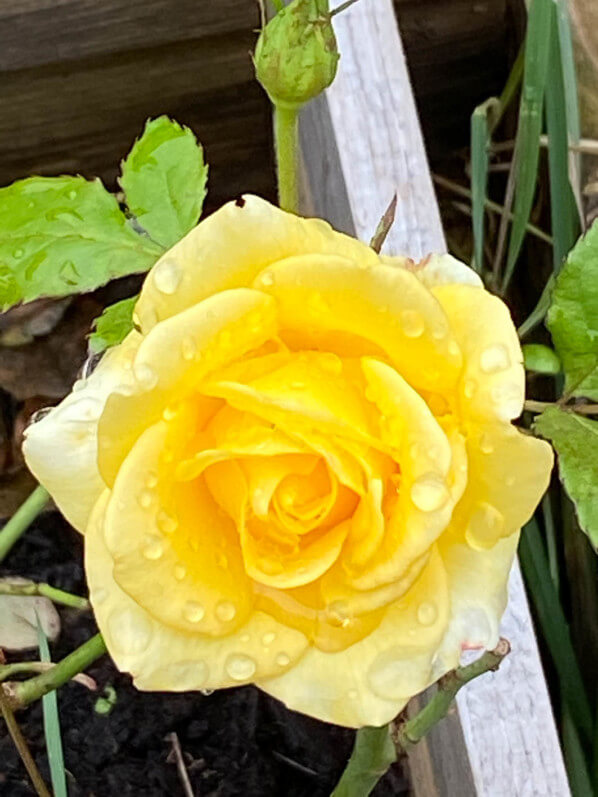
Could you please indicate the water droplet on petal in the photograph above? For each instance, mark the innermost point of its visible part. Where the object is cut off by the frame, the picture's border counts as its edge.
(193, 611)
(151, 481)
(486, 445)
(283, 660)
(470, 388)
(99, 596)
(206, 692)
(339, 614)
(167, 276)
(154, 548)
(180, 572)
(145, 375)
(168, 413)
(240, 667)
(429, 493)
(412, 323)
(225, 611)
(268, 638)
(166, 522)
(130, 631)
(145, 499)
(245, 638)
(485, 527)
(427, 613)
(454, 349)
(494, 359)
(188, 349)
(267, 279)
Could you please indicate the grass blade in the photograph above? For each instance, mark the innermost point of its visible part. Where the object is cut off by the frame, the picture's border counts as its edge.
(537, 46)
(575, 760)
(480, 139)
(52, 725)
(555, 629)
(563, 210)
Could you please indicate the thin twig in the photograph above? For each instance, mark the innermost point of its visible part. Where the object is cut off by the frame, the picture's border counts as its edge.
(586, 146)
(384, 226)
(22, 519)
(580, 409)
(44, 590)
(18, 667)
(22, 747)
(180, 764)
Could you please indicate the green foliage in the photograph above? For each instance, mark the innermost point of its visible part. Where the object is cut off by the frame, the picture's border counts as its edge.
(575, 439)
(541, 359)
(164, 178)
(113, 325)
(372, 755)
(64, 235)
(527, 145)
(52, 726)
(573, 317)
(480, 139)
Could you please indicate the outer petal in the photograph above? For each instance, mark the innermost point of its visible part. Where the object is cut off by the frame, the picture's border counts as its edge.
(508, 473)
(369, 682)
(230, 248)
(386, 306)
(163, 658)
(438, 270)
(493, 380)
(61, 450)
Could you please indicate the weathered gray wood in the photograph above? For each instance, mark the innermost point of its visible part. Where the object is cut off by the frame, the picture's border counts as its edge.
(375, 139)
(38, 32)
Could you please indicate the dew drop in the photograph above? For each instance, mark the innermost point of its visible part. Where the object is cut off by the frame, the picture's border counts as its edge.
(99, 596)
(267, 279)
(268, 638)
(153, 549)
(130, 631)
(429, 493)
(470, 388)
(180, 572)
(188, 349)
(245, 638)
(18, 253)
(151, 481)
(240, 667)
(485, 527)
(145, 375)
(427, 613)
(145, 499)
(454, 349)
(168, 413)
(193, 612)
(510, 481)
(206, 692)
(225, 611)
(166, 522)
(486, 446)
(72, 194)
(494, 359)
(412, 323)
(167, 276)
(339, 614)
(282, 660)
(440, 332)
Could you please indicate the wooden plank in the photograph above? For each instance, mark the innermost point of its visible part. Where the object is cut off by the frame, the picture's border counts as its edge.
(38, 32)
(374, 137)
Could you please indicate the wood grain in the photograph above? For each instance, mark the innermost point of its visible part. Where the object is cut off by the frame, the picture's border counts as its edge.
(39, 32)
(371, 127)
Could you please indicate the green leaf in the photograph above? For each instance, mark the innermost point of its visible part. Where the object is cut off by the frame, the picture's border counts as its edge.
(541, 359)
(372, 755)
(164, 179)
(113, 325)
(480, 139)
(527, 148)
(573, 317)
(64, 235)
(575, 439)
(52, 726)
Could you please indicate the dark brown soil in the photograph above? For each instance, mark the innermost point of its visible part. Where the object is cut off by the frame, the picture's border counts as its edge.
(235, 742)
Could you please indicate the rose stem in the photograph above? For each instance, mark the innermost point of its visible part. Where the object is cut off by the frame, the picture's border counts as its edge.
(25, 692)
(22, 519)
(46, 591)
(23, 749)
(286, 137)
(376, 749)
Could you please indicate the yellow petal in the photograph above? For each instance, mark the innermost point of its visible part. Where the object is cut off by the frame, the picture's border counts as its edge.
(167, 659)
(424, 502)
(508, 474)
(369, 682)
(61, 449)
(386, 306)
(438, 270)
(478, 595)
(173, 551)
(492, 384)
(229, 248)
(172, 360)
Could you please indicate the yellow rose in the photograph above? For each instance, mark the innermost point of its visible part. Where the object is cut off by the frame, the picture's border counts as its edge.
(300, 472)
